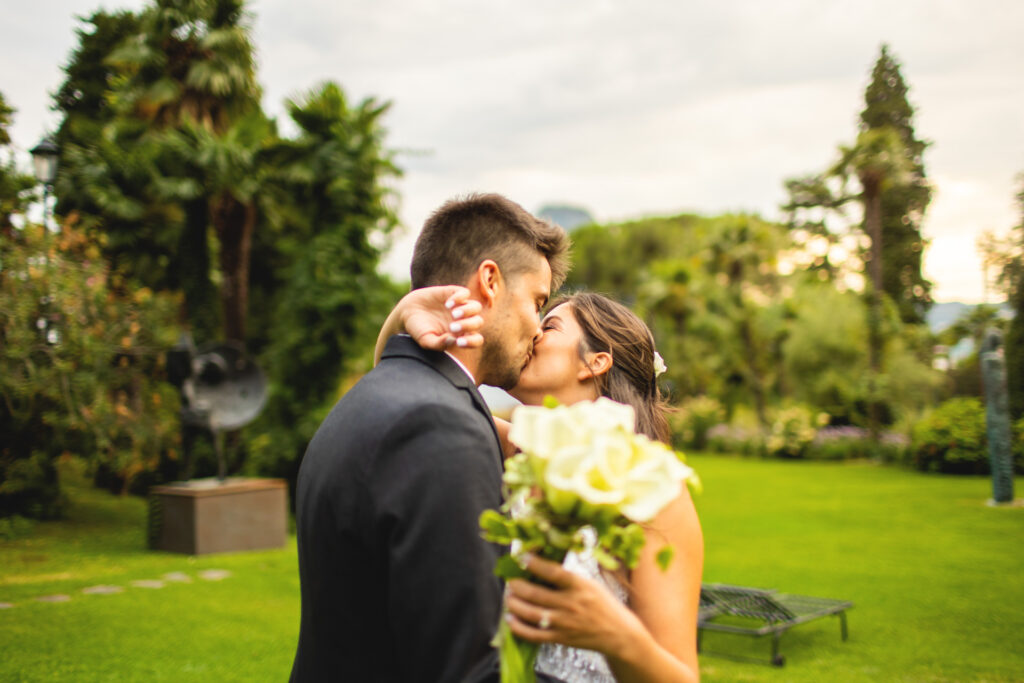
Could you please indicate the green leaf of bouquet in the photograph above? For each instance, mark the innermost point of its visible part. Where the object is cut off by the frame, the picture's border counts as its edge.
(664, 557)
(606, 559)
(695, 485)
(507, 568)
(496, 527)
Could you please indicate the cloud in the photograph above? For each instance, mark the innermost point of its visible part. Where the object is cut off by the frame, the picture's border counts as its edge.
(629, 109)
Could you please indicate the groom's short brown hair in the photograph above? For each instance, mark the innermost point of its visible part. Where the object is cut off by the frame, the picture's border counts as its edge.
(466, 231)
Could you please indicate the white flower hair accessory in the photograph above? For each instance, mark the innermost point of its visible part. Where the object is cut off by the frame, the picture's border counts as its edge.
(659, 364)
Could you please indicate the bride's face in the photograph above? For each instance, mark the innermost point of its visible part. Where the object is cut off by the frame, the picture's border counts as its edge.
(555, 368)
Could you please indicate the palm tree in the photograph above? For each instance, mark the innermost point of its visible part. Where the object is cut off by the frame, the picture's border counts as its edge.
(744, 250)
(189, 79)
(877, 160)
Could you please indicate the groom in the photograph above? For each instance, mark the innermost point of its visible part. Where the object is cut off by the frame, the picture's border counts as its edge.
(397, 584)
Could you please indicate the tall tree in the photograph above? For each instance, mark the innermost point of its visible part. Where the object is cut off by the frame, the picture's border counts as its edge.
(902, 205)
(191, 65)
(876, 162)
(315, 274)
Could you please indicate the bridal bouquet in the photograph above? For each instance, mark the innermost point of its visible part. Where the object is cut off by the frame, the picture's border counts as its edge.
(580, 466)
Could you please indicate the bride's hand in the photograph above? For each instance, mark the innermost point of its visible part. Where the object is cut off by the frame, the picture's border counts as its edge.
(436, 318)
(576, 611)
(439, 317)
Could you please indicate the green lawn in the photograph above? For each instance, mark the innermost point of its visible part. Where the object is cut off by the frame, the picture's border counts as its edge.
(936, 577)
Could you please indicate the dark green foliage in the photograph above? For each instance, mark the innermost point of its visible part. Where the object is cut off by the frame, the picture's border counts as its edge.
(271, 241)
(319, 300)
(903, 204)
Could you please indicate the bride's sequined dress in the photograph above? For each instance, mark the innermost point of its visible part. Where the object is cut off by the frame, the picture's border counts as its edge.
(570, 664)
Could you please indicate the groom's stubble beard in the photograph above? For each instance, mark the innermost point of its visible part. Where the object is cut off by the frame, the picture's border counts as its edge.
(499, 368)
(500, 365)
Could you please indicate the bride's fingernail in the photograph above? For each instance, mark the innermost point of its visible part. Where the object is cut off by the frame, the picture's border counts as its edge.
(449, 303)
(458, 313)
(461, 341)
(524, 560)
(455, 327)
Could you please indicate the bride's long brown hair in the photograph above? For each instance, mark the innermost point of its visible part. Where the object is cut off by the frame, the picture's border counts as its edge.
(611, 327)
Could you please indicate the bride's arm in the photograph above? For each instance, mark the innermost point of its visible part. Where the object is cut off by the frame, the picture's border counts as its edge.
(508, 449)
(656, 640)
(667, 601)
(428, 314)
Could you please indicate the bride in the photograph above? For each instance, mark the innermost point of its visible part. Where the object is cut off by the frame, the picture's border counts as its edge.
(593, 626)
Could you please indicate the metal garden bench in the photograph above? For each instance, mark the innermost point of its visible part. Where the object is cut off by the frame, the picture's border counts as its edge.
(758, 612)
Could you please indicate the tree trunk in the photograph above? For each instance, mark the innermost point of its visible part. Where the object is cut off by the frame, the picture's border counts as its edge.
(194, 272)
(873, 225)
(754, 375)
(235, 223)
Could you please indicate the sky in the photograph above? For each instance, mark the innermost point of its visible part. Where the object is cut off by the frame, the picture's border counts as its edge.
(625, 109)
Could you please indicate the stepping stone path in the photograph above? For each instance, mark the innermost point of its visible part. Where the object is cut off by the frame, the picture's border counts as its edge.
(174, 577)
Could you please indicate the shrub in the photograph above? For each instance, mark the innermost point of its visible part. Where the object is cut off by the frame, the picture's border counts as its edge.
(792, 430)
(849, 443)
(696, 416)
(952, 439)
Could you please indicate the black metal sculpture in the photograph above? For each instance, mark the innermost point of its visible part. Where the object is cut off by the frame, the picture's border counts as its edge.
(221, 389)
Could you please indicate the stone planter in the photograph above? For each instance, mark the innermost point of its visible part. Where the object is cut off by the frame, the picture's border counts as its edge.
(205, 516)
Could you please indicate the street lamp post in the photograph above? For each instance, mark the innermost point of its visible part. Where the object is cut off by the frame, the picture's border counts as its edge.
(44, 158)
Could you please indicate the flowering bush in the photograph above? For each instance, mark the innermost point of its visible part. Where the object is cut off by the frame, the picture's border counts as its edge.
(80, 365)
(726, 438)
(792, 431)
(849, 442)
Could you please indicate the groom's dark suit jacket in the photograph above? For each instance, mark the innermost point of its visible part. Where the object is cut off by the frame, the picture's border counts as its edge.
(397, 584)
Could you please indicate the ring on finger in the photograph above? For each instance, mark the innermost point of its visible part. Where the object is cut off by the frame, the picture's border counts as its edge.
(545, 620)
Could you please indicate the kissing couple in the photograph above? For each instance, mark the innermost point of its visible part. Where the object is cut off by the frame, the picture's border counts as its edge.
(397, 583)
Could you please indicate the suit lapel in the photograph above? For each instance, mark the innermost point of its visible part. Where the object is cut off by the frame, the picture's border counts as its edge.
(401, 346)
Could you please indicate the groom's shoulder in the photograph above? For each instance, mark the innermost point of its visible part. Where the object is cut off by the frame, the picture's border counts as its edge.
(397, 389)
(400, 381)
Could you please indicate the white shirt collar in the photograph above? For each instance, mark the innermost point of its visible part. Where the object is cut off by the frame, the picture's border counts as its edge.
(464, 368)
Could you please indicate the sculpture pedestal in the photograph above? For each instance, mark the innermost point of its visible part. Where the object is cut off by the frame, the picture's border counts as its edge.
(204, 516)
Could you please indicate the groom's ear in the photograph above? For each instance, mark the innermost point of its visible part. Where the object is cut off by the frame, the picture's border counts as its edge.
(595, 364)
(487, 282)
